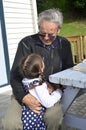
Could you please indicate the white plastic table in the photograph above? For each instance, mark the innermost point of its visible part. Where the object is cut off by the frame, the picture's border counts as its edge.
(74, 81)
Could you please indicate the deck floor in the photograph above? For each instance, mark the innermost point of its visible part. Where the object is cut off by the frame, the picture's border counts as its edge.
(5, 99)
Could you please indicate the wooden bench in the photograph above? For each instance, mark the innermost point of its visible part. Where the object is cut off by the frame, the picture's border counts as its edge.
(84, 46)
(78, 46)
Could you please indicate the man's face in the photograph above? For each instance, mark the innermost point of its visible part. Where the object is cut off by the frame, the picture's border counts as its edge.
(47, 32)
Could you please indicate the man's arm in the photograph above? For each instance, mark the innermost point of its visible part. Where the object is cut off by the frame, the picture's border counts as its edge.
(24, 48)
(15, 77)
(66, 53)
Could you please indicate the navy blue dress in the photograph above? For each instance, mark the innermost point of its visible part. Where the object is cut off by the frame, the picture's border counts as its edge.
(30, 119)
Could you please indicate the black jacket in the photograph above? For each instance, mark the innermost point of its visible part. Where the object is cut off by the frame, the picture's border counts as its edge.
(57, 57)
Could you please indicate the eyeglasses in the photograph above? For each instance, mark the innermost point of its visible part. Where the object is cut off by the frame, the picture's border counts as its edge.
(51, 36)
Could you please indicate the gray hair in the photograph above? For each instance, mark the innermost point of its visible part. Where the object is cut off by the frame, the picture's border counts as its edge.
(51, 15)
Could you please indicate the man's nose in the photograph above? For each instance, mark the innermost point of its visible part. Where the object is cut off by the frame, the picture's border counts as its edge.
(46, 36)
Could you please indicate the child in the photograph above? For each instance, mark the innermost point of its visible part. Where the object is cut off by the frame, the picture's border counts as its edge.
(31, 69)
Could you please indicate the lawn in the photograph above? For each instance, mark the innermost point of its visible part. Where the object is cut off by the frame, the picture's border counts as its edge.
(73, 28)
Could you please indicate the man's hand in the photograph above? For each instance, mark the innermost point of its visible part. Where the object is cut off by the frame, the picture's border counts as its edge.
(32, 103)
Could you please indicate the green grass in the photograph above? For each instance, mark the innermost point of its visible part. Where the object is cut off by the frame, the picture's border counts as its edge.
(73, 28)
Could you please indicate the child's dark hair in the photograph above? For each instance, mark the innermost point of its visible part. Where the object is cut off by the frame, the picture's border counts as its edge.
(30, 66)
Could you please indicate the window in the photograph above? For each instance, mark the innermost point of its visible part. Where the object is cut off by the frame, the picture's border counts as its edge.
(4, 59)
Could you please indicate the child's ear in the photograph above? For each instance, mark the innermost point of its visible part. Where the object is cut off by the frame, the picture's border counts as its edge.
(42, 70)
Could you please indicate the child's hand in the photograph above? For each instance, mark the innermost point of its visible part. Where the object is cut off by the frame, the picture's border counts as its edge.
(50, 90)
(50, 87)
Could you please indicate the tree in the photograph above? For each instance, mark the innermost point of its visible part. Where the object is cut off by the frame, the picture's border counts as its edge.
(46, 4)
(78, 7)
(75, 7)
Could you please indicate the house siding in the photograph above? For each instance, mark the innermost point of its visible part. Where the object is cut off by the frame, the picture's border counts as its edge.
(20, 20)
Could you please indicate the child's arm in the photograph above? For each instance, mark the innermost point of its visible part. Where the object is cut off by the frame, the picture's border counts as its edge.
(46, 99)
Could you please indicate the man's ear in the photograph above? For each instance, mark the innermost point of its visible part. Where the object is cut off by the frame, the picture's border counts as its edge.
(58, 31)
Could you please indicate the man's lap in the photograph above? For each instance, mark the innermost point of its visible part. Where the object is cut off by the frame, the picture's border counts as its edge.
(12, 119)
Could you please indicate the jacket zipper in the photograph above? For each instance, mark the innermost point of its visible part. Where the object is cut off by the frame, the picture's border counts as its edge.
(52, 60)
(52, 56)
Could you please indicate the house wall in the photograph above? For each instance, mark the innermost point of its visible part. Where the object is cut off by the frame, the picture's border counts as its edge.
(20, 20)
